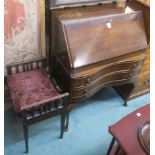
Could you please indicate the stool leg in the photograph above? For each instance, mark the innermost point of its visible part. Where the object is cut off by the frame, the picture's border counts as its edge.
(111, 145)
(25, 130)
(62, 124)
(117, 150)
(67, 112)
(67, 120)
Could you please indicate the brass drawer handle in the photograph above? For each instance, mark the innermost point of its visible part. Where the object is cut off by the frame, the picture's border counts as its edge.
(130, 76)
(135, 65)
(147, 83)
(87, 81)
(85, 93)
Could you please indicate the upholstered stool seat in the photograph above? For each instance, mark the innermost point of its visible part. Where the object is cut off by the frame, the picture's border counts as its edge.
(30, 89)
(35, 97)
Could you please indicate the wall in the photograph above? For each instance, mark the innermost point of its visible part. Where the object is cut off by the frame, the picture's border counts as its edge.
(22, 31)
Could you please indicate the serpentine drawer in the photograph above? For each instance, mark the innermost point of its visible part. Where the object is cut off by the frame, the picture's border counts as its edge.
(113, 78)
(120, 66)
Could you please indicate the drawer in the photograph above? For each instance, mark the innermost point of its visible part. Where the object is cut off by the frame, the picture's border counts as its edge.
(122, 66)
(143, 82)
(115, 78)
(142, 85)
(145, 68)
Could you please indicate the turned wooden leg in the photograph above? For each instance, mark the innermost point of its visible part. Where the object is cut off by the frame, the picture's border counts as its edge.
(62, 124)
(117, 150)
(25, 130)
(67, 121)
(125, 104)
(132, 87)
(67, 111)
(111, 145)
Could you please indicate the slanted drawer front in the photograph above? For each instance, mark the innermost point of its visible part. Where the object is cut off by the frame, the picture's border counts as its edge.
(128, 66)
(115, 78)
(100, 38)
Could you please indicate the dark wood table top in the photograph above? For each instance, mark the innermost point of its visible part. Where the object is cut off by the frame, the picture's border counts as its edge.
(126, 130)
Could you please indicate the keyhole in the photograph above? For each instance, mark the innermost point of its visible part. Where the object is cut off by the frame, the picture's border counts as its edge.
(108, 25)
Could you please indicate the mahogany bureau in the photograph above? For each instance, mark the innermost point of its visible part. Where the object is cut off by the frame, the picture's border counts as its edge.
(96, 46)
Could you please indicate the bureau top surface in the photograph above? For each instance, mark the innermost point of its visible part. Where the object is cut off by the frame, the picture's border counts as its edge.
(57, 4)
(99, 38)
(88, 12)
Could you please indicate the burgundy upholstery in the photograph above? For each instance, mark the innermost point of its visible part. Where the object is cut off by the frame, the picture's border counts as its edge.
(30, 89)
(126, 131)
